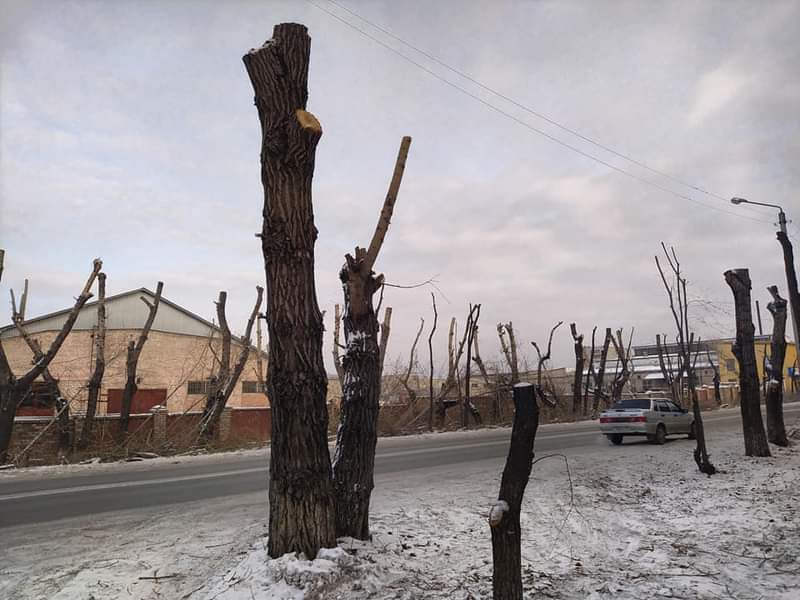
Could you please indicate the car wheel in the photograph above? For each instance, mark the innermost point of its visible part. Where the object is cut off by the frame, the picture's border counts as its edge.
(616, 438)
(692, 431)
(661, 435)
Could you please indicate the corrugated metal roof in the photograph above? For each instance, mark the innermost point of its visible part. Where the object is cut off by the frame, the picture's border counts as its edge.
(123, 311)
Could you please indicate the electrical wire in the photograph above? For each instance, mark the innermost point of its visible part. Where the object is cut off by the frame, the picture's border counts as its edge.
(526, 124)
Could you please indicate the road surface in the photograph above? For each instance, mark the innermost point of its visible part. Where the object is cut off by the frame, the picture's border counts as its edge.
(31, 499)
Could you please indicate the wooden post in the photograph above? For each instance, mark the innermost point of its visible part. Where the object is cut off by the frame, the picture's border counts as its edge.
(755, 440)
(301, 507)
(504, 518)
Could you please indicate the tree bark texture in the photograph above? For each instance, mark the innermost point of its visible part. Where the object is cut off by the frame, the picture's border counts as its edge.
(357, 434)
(12, 389)
(776, 430)
(301, 501)
(96, 380)
(755, 440)
(134, 351)
(354, 459)
(504, 518)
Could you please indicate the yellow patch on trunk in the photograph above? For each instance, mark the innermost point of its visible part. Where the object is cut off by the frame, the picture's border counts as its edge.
(307, 120)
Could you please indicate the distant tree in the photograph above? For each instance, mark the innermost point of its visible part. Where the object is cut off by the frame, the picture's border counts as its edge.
(431, 400)
(672, 375)
(50, 382)
(132, 361)
(623, 374)
(223, 383)
(544, 390)
(598, 392)
(301, 503)
(580, 360)
(13, 389)
(679, 307)
(96, 380)
(776, 430)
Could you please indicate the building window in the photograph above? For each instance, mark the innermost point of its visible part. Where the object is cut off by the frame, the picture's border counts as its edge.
(197, 387)
(252, 387)
(730, 364)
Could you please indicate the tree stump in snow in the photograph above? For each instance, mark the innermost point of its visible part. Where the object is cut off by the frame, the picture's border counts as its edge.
(504, 515)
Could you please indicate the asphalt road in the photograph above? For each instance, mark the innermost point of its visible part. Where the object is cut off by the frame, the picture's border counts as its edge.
(28, 498)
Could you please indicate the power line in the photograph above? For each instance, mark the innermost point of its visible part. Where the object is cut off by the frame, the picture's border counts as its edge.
(528, 109)
(526, 124)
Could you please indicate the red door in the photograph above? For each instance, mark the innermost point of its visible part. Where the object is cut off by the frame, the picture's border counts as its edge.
(143, 401)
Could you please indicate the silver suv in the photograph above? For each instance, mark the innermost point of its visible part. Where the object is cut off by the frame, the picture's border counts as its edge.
(655, 418)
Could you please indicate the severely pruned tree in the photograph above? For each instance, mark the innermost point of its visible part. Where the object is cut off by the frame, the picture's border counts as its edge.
(50, 382)
(224, 381)
(468, 407)
(544, 392)
(430, 359)
(755, 439)
(491, 385)
(504, 517)
(509, 348)
(623, 371)
(672, 374)
(598, 393)
(716, 380)
(580, 359)
(354, 458)
(443, 401)
(13, 389)
(412, 362)
(791, 283)
(776, 430)
(679, 307)
(301, 505)
(590, 373)
(132, 361)
(96, 379)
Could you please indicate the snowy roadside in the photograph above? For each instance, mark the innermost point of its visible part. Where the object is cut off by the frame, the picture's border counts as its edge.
(643, 524)
(637, 521)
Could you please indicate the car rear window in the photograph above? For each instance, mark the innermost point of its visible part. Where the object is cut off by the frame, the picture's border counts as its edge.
(635, 403)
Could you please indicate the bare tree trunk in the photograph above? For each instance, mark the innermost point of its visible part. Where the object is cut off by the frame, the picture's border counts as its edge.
(776, 430)
(579, 362)
(600, 375)
(492, 386)
(412, 393)
(12, 390)
(666, 372)
(468, 407)
(624, 359)
(430, 355)
(504, 517)
(96, 380)
(51, 383)
(227, 378)
(793, 292)
(590, 374)
(755, 440)
(301, 505)
(357, 435)
(132, 362)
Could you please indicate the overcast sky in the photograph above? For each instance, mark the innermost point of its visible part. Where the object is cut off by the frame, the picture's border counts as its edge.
(129, 133)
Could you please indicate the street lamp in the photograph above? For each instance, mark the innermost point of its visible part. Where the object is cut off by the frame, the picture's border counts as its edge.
(793, 300)
(781, 214)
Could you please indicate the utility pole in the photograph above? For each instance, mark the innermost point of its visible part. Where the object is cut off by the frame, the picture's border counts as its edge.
(791, 275)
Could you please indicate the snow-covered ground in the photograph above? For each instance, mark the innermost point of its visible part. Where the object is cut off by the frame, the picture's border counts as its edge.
(637, 522)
